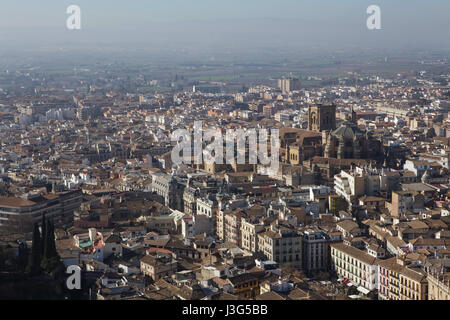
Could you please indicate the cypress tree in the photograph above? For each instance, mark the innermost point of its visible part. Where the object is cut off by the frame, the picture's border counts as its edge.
(51, 254)
(43, 235)
(44, 249)
(34, 264)
(51, 249)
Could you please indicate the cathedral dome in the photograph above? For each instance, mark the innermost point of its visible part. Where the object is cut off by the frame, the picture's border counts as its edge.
(348, 130)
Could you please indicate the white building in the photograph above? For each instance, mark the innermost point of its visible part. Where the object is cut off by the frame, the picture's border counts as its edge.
(359, 267)
(196, 224)
(359, 181)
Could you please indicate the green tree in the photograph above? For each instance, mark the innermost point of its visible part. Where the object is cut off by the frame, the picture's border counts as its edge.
(43, 241)
(52, 258)
(51, 245)
(34, 263)
(43, 233)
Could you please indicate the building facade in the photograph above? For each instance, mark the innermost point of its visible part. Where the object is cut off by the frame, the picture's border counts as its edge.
(18, 215)
(355, 265)
(170, 189)
(314, 251)
(438, 286)
(282, 245)
(288, 85)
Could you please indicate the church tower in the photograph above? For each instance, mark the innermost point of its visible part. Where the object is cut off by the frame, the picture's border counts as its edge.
(321, 117)
(353, 117)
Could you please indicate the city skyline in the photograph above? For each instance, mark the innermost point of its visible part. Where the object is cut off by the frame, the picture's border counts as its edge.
(210, 157)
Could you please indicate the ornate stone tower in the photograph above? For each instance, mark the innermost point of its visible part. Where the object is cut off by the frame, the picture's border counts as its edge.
(321, 117)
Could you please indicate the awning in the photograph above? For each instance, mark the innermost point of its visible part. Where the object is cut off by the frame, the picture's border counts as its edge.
(363, 290)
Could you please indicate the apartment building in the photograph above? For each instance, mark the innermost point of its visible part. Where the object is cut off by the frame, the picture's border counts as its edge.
(195, 225)
(349, 186)
(225, 208)
(158, 266)
(406, 200)
(389, 286)
(232, 227)
(355, 265)
(207, 206)
(349, 229)
(19, 214)
(282, 245)
(417, 166)
(190, 201)
(245, 285)
(314, 250)
(359, 181)
(413, 284)
(253, 222)
(220, 225)
(399, 281)
(288, 85)
(249, 234)
(170, 189)
(438, 286)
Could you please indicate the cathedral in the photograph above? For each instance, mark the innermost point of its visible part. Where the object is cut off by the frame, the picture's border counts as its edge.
(346, 142)
(350, 142)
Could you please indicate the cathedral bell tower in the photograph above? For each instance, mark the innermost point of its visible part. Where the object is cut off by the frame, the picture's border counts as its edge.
(321, 117)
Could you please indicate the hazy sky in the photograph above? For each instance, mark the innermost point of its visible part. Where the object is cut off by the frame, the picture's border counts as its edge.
(225, 23)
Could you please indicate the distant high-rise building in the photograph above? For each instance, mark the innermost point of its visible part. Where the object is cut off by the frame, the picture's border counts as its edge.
(288, 85)
(89, 112)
